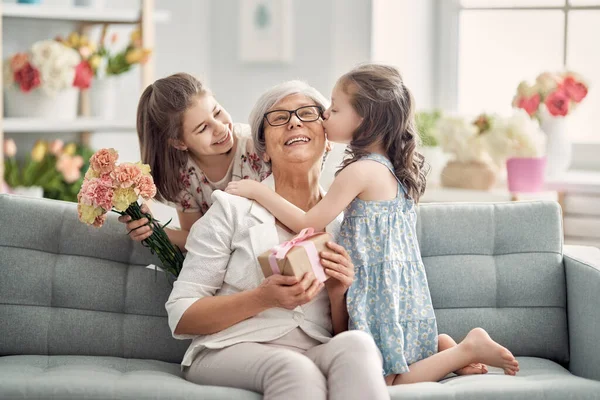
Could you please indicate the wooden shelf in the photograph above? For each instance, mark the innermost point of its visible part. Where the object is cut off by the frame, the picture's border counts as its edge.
(28, 125)
(78, 14)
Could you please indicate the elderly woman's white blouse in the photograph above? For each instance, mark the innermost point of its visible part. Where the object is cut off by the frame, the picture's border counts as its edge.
(223, 247)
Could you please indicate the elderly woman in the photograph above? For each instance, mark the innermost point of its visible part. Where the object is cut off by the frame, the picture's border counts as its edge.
(273, 335)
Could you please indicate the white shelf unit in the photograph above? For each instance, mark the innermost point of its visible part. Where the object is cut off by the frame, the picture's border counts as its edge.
(146, 16)
(79, 14)
(82, 124)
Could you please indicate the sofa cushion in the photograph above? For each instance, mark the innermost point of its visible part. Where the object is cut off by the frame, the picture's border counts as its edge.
(78, 377)
(71, 289)
(500, 267)
(538, 379)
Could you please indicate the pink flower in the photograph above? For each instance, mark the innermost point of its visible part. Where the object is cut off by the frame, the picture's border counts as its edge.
(10, 148)
(83, 75)
(557, 103)
(104, 161)
(27, 77)
(18, 61)
(99, 221)
(530, 104)
(56, 147)
(126, 175)
(70, 167)
(98, 192)
(574, 89)
(146, 187)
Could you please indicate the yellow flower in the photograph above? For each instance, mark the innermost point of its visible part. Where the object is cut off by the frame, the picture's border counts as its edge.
(84, 41)
(70, 149)
(136, 38)
(144, 167)
(134, 56)
(73, 39)
(39, 150)
(123, 198)
(91, 174)
(88, 214)
(95, 61)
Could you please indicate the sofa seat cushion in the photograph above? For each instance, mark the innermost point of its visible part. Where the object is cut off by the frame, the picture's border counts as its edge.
(537, 379)
(79, 377)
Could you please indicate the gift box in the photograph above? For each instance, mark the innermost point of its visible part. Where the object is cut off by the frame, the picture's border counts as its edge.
(297, 256)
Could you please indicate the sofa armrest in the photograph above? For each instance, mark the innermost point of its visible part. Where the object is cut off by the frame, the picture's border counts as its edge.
(582, 265)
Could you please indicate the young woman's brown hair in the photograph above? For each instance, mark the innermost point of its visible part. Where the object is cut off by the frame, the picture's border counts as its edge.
(159, 123)
(379, 96)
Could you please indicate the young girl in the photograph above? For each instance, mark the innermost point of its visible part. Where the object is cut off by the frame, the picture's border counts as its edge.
(377, 188)
(192, 147)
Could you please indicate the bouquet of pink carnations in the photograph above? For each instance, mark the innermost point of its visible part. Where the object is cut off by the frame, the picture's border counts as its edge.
(111, 187)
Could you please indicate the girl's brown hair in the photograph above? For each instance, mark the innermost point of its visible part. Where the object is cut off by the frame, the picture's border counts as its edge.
(378, 94)
(160, 122)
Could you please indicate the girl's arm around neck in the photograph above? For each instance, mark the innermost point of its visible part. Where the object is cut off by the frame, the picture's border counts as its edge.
(348, 184)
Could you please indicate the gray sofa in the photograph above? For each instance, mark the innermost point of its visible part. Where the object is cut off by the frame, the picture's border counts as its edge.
(81, 316)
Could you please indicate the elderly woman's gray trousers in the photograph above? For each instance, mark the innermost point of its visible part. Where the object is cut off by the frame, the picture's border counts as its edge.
(348, 367)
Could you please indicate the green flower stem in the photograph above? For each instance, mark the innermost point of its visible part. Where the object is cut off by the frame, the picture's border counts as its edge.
(170, 255)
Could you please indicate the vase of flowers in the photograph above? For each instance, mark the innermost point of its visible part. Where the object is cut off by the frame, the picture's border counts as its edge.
(107, 65)
(551, 99)
(111, 187)
(45, 81)
(518, 143)
(470, 166)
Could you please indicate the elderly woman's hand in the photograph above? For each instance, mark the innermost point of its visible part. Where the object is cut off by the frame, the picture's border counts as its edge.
(288, 291)
(340, 269)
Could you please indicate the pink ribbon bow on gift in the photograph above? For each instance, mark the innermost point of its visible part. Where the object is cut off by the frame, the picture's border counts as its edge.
(279, 252)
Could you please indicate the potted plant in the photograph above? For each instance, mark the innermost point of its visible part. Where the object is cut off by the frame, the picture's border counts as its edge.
(106, 65)
(518, 142)
(45, 81)
(470, 166)
(51, 170)
(551, 99)
(430, 147)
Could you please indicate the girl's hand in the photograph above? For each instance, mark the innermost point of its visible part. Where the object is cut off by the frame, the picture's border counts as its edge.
(245, 188)
(288, 291)
(338, 266)
(138, 230)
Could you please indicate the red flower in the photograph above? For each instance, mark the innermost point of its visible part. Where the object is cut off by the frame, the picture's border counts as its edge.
(574, 89)
(557, 103)
(83, 75)
(27, 77)
(529, 104)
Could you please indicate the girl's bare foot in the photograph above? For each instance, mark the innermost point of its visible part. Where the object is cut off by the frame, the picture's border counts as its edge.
(472, 369)
(486, 351)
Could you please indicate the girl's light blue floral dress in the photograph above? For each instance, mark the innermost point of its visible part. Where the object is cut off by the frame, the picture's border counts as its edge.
(389, 298)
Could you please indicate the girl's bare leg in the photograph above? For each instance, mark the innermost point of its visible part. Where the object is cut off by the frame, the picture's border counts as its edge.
(477, 347)
(445, 342)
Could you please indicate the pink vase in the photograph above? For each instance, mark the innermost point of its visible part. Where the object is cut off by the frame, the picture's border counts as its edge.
(525, 174)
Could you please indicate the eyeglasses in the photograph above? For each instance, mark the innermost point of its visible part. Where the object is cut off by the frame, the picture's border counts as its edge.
(304, 114)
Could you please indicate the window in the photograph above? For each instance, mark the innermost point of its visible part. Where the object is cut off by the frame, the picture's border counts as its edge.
(502, 42)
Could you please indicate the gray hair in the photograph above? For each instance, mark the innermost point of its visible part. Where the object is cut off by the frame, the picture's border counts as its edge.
(274, 96)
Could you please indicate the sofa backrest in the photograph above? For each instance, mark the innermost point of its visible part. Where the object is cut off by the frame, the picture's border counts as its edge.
(67, 288)
(498, 266)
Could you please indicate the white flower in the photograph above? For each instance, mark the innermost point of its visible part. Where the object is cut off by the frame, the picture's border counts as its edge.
(515, 136)
(459, 137)
(56, 63)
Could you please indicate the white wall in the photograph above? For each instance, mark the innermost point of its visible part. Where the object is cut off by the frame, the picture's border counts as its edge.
(403, 36)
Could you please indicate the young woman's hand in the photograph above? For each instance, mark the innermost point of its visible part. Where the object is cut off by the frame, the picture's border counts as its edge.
(245, 188)
(288, 291)
(137, 230)
(338, 266)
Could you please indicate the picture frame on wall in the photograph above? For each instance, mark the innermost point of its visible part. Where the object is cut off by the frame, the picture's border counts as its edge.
(266, 32)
